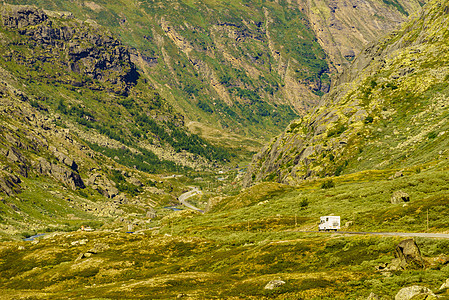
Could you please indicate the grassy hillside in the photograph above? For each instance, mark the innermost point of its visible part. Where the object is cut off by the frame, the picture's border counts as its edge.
(234, 252)
(387, 111)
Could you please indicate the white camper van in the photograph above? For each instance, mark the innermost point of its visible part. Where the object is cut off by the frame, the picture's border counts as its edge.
(329, 223)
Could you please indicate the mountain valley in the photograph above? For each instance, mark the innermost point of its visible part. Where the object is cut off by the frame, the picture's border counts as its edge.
(118, 117)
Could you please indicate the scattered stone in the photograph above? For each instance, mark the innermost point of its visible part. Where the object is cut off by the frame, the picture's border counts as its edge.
(98, 248)
(79, 242)
(400, 197)
(151, 213)
(373, 296)
(135, 181)
(21, 248)
(415, 292)
(445, 285)
(398, 174)
(274, 284)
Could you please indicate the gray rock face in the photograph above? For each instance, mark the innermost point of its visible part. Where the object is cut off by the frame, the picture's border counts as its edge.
(13, 155)
(23, 16)
(413, 292)
(77, 47)
(9, 184)
(67, 176)
(61, 157)
(103, 185)
(409, 255)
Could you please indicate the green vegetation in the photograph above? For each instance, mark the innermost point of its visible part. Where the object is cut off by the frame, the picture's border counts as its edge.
(393, 110)
(247, 241)
(389, 137)
(397, 5)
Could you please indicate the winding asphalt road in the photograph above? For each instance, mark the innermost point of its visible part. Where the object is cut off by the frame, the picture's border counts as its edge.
(187, 195)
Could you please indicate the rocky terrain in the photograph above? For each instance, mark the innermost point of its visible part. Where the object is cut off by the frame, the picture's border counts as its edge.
(69, 92)
(246, 68)
(344, 28)
(388, 110)
(70, 43)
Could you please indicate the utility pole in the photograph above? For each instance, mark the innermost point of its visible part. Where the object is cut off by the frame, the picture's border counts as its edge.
(427, 220)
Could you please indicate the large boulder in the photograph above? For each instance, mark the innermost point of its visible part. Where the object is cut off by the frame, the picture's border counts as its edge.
(399, 197)
(415, 292)
(408, 255)
(274, 284)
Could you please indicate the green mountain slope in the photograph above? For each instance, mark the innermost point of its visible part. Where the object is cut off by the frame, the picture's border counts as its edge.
(81, 129)
(248, 67)
(389, 110)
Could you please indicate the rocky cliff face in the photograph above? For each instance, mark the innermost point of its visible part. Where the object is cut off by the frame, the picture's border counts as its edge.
(81, 47)
(387, 111)
(344, 28)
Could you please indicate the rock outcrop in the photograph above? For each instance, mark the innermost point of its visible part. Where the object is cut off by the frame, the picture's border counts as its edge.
(273, 284)
(23, 16)
(399, 197)
(81, 47)
(409, 255)
(415, 292)
(61, 173)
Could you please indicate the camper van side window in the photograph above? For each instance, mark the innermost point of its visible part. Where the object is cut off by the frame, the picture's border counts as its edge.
(327, 219)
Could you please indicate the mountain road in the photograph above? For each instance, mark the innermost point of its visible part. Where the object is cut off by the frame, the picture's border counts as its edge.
(403, 234)
(183, 197)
